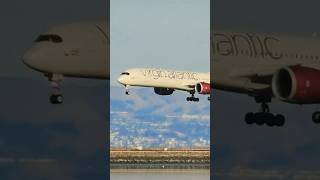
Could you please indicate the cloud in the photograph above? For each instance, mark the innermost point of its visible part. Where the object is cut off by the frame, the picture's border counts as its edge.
(119, 113)
(190, 117)
(145, 115)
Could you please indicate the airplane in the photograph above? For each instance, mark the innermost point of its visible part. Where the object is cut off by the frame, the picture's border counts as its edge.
(165, 82)
(70, 50)
(267, 67)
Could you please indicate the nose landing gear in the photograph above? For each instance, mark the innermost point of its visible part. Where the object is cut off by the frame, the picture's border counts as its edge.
(316, 117)
(56, 99)
(127, 89)
(55, 82)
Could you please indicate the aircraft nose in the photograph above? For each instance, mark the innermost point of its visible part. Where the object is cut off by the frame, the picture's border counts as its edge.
(31, 58)
(121, 80)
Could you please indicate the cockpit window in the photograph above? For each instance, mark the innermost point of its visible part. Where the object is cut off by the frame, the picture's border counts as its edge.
(50, 38)
(125, 73)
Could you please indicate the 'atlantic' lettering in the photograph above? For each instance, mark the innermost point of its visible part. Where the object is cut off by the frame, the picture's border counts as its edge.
(169, 74)
(227, 44)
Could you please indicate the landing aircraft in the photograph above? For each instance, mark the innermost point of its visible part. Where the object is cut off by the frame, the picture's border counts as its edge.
(70, 50)
(259, 65)
(265, 67)
(165, 82)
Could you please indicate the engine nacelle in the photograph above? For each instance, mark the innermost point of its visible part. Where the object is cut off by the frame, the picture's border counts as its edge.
(163, 91)
(203, 88)
(297, 84)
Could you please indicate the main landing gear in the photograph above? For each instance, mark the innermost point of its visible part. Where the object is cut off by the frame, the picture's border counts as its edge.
(55, 82)
(192, 98)
(264, 116)
(316, 117)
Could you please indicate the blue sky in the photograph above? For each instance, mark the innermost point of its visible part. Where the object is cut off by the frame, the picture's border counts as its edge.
(170, 34)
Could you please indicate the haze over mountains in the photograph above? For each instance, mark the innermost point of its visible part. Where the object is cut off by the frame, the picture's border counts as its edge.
(146, 119)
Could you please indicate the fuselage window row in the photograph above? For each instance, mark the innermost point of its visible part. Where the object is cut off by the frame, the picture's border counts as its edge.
(285, 55)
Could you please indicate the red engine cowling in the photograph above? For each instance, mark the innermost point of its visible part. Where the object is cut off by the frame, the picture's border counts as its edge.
(203, 88)
(297, 84)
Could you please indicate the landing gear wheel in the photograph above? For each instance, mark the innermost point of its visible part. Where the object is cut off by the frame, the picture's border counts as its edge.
(270, 123)
(127, 89)
(56, 99)
(316, 117)
(279, 120)
(192, 98)
(249, 118)
(264, 116)
(55, 82)
(260, 118)
(271, 120)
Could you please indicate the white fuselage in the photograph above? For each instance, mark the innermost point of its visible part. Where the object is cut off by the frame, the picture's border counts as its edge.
(238, 57)
(77, 50)
(162, 78)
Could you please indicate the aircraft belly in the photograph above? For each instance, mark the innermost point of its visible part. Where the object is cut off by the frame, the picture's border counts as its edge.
(92, 70)
(174, 84)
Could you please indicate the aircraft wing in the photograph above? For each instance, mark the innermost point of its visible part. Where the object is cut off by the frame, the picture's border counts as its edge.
(187, 87)
(312, 65)
(245, 80)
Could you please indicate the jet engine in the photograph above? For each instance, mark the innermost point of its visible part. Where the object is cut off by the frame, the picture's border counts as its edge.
(297, 84)
(163, 91)
(203, 88)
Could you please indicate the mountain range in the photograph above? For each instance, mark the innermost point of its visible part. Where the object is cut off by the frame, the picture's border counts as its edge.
(145, 119)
